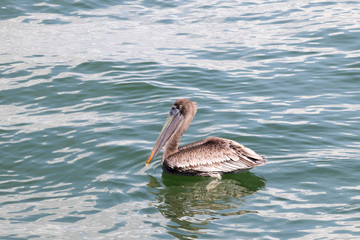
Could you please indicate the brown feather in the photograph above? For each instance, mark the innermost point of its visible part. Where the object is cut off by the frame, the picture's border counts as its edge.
(213, 155)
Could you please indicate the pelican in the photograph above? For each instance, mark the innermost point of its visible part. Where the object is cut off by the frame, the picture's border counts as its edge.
(212, 156)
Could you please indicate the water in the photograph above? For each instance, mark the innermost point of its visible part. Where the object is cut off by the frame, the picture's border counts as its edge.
(86, 87)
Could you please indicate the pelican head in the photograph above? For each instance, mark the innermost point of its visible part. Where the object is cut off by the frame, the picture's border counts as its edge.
(175, 120)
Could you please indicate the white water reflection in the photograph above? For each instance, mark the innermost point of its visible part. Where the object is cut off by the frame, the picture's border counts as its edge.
(143, 33)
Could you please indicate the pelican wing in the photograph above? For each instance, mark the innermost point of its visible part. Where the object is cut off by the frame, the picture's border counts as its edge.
(214, 155)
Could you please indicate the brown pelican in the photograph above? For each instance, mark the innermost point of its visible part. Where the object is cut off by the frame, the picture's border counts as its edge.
(211, 156)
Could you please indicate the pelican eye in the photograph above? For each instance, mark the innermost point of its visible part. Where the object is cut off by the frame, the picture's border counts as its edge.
(174, 110)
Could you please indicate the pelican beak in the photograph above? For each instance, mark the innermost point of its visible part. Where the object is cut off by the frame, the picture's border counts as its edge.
(171, 125)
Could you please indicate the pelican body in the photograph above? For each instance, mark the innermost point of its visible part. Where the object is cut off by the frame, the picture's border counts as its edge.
(211, 156)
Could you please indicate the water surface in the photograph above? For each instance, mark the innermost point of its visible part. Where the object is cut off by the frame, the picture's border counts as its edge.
(86, 87)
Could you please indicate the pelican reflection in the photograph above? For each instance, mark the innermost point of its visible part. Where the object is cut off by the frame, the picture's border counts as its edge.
(190, 203)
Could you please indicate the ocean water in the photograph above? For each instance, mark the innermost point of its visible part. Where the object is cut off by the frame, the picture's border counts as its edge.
(86, 86)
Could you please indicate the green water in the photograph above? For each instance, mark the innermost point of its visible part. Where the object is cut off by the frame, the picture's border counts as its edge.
(87, 85)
